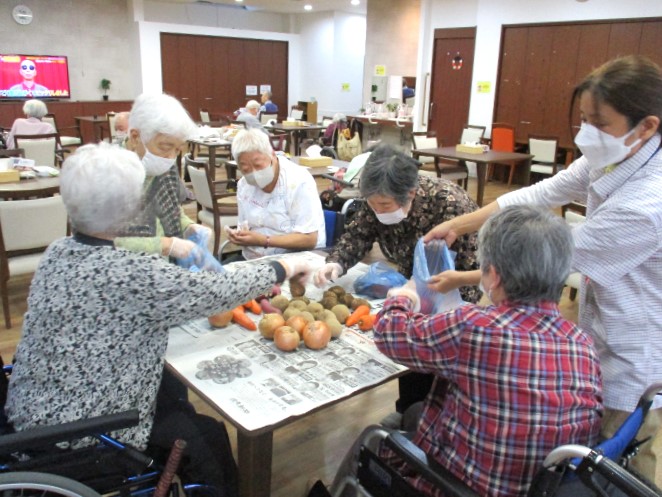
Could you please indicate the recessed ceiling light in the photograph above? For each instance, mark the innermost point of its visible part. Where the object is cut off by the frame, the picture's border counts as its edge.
(356, 2)
(307, 7)
(238, 1)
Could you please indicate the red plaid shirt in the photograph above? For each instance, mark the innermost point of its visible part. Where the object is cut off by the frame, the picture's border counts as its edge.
(523, 381)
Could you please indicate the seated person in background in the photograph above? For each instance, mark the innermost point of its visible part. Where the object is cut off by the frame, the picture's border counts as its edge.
(401, 206)
(249, 116)
(267, 107)
(406, 91)
(34, 110)
(121, 128)
(522, 380)
(95, 335)
(28, 88)
(277, 199)
(339, 123)
(158, 129)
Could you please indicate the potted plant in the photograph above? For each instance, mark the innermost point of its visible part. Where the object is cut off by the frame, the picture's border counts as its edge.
(105, 86)
(392, 108)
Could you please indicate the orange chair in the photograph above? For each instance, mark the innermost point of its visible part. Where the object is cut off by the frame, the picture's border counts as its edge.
(503, 140)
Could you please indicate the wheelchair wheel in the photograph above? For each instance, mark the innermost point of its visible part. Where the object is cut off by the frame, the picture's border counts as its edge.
(28, 483)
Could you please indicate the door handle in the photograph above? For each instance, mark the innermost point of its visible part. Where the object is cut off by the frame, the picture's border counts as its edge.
(430, 115)
(525, 122)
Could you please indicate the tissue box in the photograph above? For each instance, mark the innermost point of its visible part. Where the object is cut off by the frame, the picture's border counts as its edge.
(470, 149)
(10, 176)
(315, 161)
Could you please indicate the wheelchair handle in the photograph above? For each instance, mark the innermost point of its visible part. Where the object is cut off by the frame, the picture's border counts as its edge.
(614, 473)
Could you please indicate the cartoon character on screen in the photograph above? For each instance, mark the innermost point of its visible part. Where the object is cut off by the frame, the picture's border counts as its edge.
(28, 88)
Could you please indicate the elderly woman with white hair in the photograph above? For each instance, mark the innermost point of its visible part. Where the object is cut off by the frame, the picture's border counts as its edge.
(159, 127)
(95, 334)
(249, 116)
(522, 380)
(277, 200)
(34, 111)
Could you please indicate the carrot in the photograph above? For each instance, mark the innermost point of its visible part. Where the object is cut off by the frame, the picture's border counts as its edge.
(367, 321)
(358, 312)
(240, 317)
(253, 306)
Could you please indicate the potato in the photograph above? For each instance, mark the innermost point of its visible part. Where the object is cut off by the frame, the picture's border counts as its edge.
(307, 316)
(335, 327)
(299, 304)
(328, 302)
(338, 290)
(315, 307)
(326, 315)
(303, 299)
(280, 301)
(358, 302)
(290, 311)
(347, 299)
(341, 312)
(296, 288)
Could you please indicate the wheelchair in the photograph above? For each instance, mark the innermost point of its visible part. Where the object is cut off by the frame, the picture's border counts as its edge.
(567, 471)
(41, 461)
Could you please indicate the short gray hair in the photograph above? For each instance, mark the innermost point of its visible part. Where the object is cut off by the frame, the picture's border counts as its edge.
(530, 249)
(35, 108)
(267, 93)
(252, 104)
(157, 113)
(389, 172)
(251, 140)
(339, 116)
(101, 186)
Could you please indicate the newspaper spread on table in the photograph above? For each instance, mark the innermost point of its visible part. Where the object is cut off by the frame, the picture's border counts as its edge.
(257, 385)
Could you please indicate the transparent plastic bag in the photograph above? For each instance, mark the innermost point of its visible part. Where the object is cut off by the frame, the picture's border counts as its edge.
(379, 279)
(429, 260)
(200, 258)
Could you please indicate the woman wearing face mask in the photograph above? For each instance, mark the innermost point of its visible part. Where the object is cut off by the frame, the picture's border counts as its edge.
(619, 247)
(277, 200)
(158, 129)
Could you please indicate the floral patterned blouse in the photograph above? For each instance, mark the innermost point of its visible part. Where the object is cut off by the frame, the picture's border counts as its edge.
(95, 334)
(436, 201)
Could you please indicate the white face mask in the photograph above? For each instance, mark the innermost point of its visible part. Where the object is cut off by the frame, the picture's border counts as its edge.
(260, 178)
(155, 165)
(602, 149)
(391, 217)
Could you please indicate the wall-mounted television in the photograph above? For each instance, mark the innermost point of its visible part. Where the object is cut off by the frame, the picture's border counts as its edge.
(34, 76)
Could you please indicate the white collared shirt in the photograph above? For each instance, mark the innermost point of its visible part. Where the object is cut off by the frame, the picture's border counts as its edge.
(619, 251)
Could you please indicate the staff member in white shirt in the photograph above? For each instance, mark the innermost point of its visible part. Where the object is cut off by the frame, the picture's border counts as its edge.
(277, 200)
(618, 249)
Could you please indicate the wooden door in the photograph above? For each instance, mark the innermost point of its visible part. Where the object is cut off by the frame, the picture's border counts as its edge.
(450, 88)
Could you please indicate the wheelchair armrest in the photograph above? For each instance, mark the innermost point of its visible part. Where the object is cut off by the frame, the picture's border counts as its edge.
(48, 435)
(339, 181)
(451, 485)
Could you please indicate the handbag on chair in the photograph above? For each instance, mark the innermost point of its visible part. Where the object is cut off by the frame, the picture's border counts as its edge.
(349, 144)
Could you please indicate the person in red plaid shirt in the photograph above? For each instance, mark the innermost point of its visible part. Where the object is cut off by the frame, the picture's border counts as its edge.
(522, 380)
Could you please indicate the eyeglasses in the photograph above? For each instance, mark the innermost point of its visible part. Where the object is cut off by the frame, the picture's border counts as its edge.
(26, 67)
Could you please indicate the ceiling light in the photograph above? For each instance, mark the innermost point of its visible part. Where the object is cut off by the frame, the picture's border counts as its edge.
(307, 7)
(355, 2)
(238, 1)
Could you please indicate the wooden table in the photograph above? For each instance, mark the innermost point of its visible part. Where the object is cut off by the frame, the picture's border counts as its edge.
(97, 123)
(295, 133)
(29, 188)
(316, 172)
(276, 388)
(211, 145)
(481, 160)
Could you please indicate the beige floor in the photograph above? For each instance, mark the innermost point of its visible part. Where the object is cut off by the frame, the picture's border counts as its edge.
(309, 447)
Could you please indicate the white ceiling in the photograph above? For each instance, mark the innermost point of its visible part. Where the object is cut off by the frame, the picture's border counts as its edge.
(287, 6)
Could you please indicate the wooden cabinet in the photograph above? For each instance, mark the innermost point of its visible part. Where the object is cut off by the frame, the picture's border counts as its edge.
(309, 111)
(540, 64)
(213, 72)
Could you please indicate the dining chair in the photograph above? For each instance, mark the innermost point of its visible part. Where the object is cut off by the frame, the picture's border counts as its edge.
(12, 152)
(204, 116)
(544, 150)
(574, 214)
(278, 141)
(27, 227)
(216, 199)
(43, 149)
(503, 140)
(472, 133)
(65, 141)
(265, 118)
(453, 171)
(110, 118)
(296, 113)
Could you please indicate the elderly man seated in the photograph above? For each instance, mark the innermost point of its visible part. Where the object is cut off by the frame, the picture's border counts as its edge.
(279, 208)
(522, 380)
(249, 116)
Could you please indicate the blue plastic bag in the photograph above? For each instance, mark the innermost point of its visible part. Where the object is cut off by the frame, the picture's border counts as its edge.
(429, 260)
(200, 258)
(379, 279)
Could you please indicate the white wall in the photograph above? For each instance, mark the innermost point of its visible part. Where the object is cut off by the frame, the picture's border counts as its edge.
(489, 16)
(332, 53)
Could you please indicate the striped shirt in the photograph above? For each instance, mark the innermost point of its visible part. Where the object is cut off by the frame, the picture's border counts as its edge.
(522, 380)
(619, 251)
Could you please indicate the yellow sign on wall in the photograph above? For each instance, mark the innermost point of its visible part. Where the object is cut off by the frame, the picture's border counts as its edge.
(483, 87)
(380, 70)
(344, 87)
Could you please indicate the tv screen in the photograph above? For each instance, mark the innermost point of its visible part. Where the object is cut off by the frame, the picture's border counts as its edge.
(34, 76)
